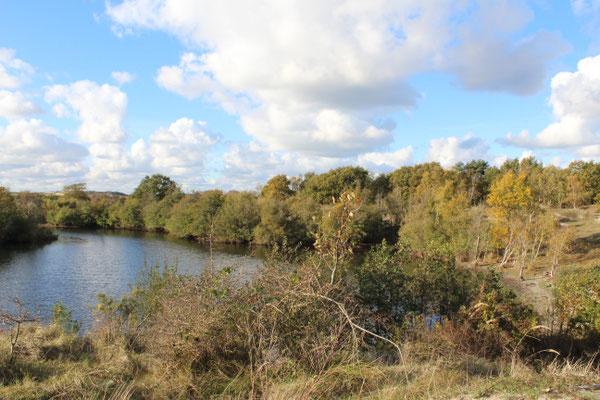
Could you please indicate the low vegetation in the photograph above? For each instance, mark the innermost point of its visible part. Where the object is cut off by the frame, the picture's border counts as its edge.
(427, 312)
(289, 332)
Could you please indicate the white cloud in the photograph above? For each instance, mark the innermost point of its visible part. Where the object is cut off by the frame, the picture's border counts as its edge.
(249, 165)
(32, 141)
(312, 76)
(451, 150)
(33, 157)
(485, 58)
(326, 132)
(13, 71)
(583, 7)
(101, 109)
(527, 154)
(386, 162)
(16, 105)
(122, 77)
(499, 159)
(556, 161)
(179, 151)
(575, 102)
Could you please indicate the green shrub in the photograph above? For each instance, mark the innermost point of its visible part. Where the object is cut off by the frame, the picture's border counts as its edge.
(62, 318)
(577, 300)
(496, 323)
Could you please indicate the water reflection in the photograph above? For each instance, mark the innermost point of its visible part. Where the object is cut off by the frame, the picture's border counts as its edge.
(81, 264)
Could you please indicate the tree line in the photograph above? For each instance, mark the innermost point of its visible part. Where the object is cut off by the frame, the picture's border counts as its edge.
(473, 210)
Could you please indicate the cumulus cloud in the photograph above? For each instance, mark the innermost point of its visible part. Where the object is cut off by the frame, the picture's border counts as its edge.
(451, 150)
(122, 77)
(179, 151)
(248, 165)
(313, 76)
(32, 141)
(575, 102)
(101, 109)
(527, 154)
(16, 105)
(386, 162)
(13, 71)
(182, 148)
(31, 152)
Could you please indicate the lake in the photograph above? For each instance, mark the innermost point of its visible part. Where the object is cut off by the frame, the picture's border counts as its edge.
(81, 264)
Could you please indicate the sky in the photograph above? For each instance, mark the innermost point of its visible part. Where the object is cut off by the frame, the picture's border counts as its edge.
(227, 94)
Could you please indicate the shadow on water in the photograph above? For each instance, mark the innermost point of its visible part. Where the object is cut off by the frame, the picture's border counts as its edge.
(83, 263)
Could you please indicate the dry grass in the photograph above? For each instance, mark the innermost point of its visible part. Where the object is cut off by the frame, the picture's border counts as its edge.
(54, 365)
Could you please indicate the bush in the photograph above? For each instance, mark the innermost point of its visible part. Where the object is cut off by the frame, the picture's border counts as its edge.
(577, 300)
(237, 218)
(382, 281)
(393, 284)
(496, 323)
(63, 319)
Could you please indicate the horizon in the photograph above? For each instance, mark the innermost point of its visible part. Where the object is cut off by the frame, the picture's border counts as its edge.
(228, 96)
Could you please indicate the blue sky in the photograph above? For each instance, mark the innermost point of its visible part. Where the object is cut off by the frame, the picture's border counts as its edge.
(229, 94)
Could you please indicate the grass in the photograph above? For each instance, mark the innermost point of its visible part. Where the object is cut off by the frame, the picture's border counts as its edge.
(54, 365)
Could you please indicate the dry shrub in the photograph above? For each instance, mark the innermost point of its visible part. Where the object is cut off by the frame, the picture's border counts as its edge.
(495, 324)
(277, 324)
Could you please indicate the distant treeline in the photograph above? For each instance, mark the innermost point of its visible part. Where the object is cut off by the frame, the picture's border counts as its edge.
(470, 209)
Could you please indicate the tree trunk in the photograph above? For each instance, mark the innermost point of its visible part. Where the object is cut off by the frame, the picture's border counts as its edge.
(476, 255)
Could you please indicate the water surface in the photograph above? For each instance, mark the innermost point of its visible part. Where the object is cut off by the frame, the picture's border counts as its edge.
(81, 264)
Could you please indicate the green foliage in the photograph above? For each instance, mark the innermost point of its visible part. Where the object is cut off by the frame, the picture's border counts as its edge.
(497, 322)
(75, 192)
(405, 180)
(394, 284)
(475, 179)
(382, 283)
(437, 218)
(31, 206)
(62, 318)
(156, 213)
(332, 184)
(195, 215)
(278, 224)
(130, 214)
(15, 227)
(143, 299)
(577, 299)
(588, 177)
(155, 188)
(237, 218)
(438, 287)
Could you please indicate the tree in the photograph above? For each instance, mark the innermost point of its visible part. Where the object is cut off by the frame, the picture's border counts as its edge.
(277, 187)
(332, 184)
(194, 216)
(512, 212)
(76, 191)
(473, 174)
(279, 224)
(237, 218)
(339, 232)
(559, 244)
(155, 187)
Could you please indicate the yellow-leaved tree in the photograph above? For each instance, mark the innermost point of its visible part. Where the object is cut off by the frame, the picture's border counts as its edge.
(513, 215)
